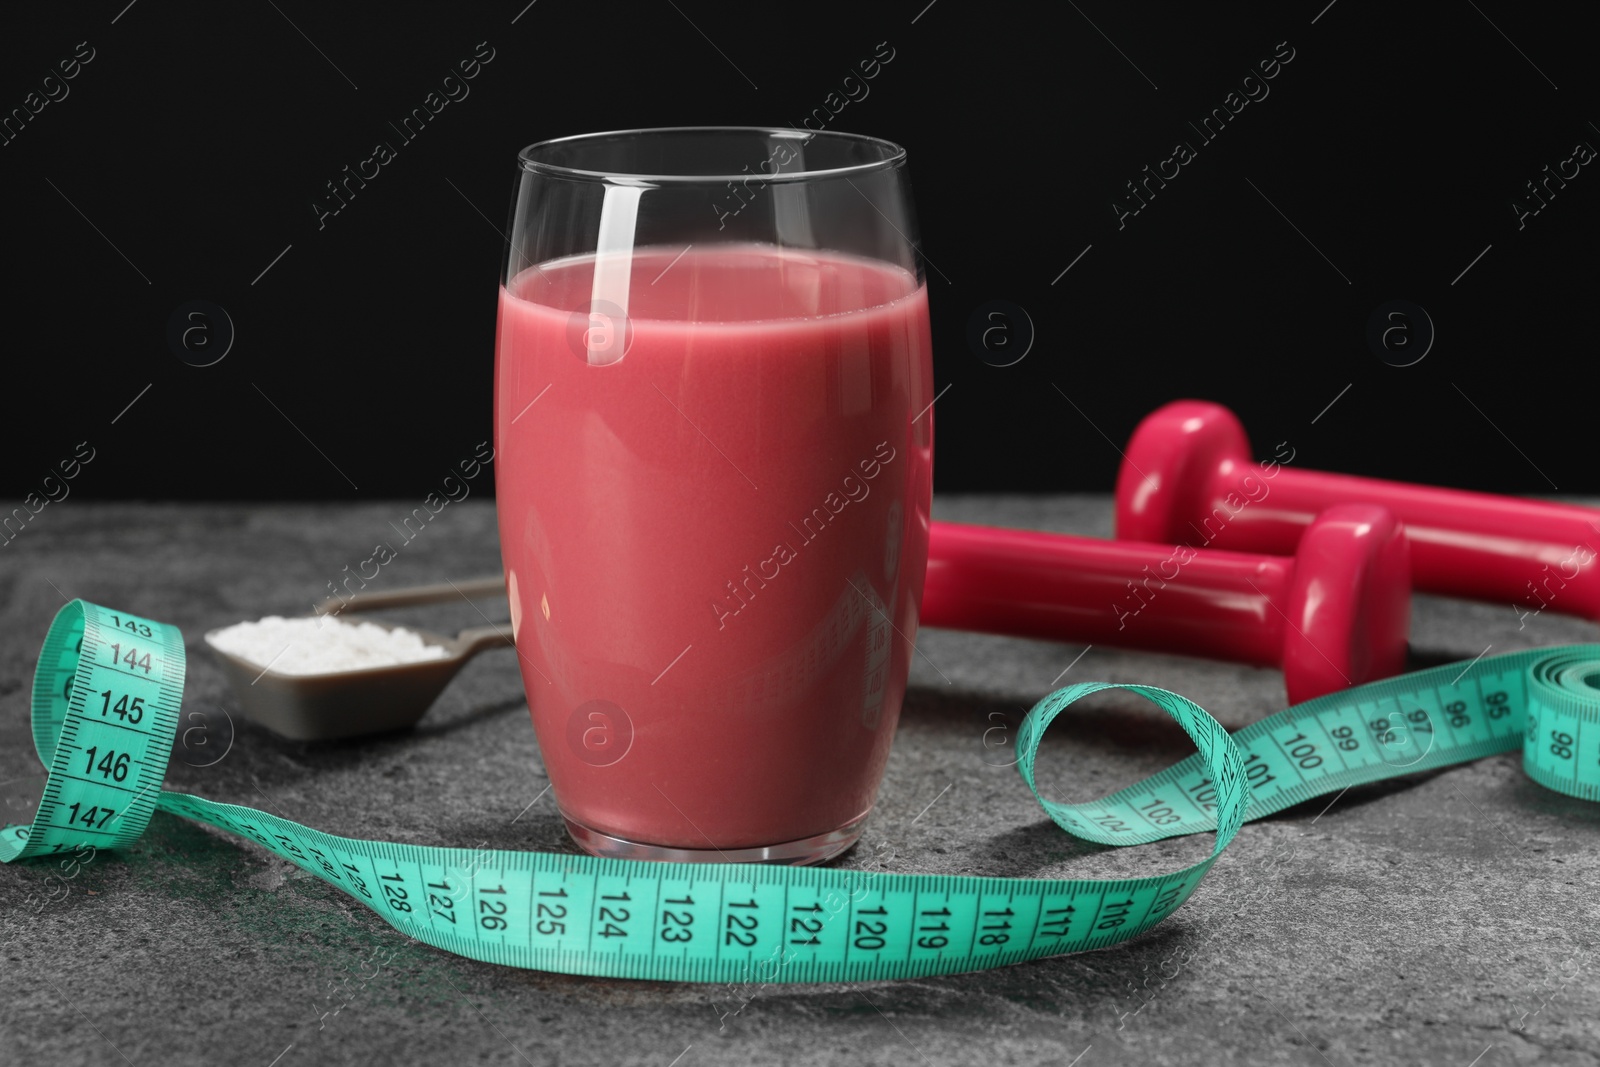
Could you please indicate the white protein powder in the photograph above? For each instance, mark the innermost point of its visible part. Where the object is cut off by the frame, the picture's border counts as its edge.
(321, 645)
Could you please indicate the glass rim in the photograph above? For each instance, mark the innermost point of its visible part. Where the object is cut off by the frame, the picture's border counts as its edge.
(894, 155)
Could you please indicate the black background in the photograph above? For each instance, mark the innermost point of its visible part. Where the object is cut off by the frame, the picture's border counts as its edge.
(197, 139)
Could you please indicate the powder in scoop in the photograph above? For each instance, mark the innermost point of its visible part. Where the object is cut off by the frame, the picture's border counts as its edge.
(321, 645)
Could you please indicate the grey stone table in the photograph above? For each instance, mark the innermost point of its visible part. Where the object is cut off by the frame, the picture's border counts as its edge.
(1448, 918)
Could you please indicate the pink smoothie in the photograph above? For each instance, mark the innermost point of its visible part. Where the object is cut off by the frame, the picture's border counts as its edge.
(715, 545)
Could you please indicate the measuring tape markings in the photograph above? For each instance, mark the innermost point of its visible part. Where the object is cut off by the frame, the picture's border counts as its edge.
(142, 673)
(106, 707)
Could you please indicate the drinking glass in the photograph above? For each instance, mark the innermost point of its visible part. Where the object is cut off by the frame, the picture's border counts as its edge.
(714, 447)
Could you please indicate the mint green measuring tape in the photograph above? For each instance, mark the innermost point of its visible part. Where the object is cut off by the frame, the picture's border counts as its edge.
(109, 685)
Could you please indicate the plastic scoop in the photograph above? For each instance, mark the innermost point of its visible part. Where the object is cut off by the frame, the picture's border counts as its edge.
(320, 707)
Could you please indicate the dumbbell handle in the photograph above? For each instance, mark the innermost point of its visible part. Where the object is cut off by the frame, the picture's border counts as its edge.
(1221, 605)
(1474, 545)
(1335, 614)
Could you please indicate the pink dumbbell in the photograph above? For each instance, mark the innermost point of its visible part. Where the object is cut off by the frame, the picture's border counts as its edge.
(1335, 614)
(1188, 476)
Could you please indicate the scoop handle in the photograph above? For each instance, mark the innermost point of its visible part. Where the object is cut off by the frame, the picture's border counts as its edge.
(471, 641)
(416, 594)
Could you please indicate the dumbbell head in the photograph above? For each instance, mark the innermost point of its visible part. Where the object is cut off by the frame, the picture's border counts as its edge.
(1349, 604)
(1170, 464)
(1188, 471)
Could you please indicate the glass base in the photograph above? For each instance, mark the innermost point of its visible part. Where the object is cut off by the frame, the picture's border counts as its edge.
(801, 853)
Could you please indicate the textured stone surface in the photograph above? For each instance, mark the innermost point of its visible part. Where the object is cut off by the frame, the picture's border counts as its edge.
(1436, 919)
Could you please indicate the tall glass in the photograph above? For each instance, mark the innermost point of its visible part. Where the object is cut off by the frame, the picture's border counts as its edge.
(714, 447)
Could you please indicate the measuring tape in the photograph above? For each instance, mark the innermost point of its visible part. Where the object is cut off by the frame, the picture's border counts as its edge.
(109, 685)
